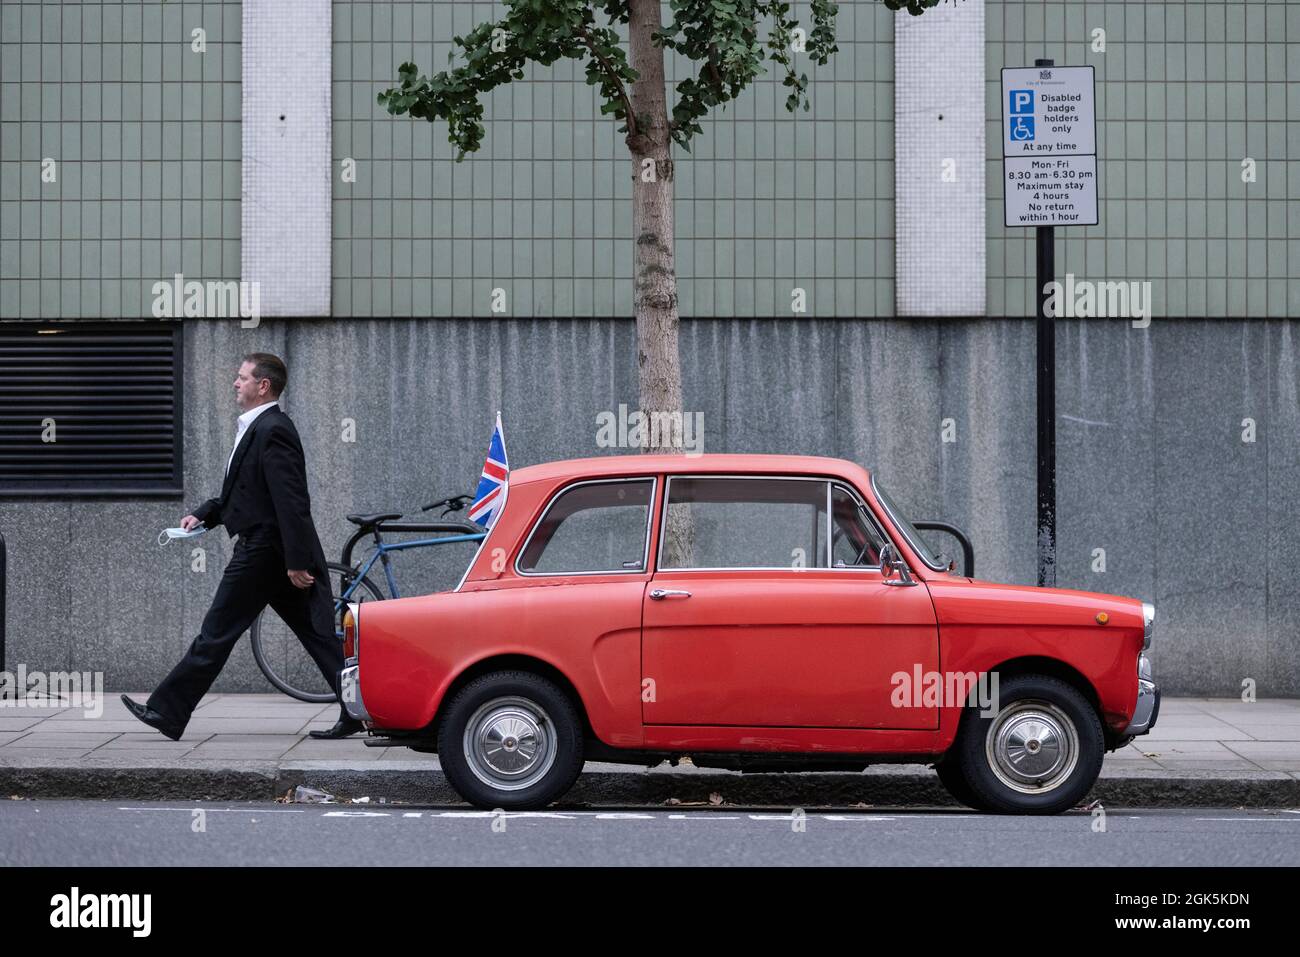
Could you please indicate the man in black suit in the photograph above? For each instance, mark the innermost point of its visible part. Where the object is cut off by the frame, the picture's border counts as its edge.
(278, 559)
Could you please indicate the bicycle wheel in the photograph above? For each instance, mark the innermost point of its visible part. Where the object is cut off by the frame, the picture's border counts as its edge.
(282, 657)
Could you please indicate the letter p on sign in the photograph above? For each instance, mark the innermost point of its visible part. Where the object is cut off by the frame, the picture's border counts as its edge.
(1022, 101)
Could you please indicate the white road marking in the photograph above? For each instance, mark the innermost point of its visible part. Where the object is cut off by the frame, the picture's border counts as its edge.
(221, 810)
(511, 815)
(1273, 815)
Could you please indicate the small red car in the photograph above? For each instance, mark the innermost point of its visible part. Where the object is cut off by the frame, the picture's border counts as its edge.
(755, 612)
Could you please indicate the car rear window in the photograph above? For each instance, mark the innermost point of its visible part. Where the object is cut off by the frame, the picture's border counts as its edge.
(591, 528)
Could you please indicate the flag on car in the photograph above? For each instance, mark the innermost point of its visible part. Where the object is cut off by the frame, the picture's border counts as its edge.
(490, 496)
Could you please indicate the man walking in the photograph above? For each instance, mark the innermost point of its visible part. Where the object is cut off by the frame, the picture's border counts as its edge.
(278, 559)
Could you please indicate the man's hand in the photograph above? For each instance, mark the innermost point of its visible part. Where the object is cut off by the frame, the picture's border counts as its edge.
(301, 578)
(189, 522)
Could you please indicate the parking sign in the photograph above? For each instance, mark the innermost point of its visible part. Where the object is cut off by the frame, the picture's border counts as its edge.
(1049, 146)
(1049, 110)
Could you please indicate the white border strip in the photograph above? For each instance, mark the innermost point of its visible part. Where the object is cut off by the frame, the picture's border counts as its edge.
(939, 216)
(285, 212)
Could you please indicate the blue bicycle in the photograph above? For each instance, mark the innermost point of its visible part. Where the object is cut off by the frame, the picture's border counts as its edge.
(277, 650)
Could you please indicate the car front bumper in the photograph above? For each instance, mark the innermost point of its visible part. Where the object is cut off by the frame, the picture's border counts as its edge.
(1147, 709)
(350, 686)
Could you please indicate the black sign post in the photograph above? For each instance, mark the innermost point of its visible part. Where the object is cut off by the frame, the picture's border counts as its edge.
(1046, 384)
(1049, 165)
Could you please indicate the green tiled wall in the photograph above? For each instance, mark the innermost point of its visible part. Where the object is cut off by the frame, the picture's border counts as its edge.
(765, 202)
(1185, 91)
(146, 136)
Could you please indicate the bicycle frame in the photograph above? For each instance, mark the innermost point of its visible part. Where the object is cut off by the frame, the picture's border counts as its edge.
(466, 533)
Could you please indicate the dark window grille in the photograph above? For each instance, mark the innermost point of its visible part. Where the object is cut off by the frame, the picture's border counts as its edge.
(109, 394)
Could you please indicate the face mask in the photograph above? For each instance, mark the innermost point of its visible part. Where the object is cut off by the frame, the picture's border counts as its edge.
(167, 534)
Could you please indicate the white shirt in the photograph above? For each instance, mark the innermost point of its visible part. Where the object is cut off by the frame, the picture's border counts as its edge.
(245, 420)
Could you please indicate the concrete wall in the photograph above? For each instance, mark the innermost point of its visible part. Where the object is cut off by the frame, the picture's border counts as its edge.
(1152, 466)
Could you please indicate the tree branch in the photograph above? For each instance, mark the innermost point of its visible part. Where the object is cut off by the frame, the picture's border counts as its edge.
(612, 75)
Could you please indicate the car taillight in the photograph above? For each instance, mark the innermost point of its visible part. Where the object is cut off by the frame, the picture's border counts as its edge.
(349, 634)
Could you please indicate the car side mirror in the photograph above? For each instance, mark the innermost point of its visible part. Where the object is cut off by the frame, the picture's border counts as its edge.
(893, 570)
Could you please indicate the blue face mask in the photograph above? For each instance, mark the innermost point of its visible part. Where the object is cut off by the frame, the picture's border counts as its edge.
(167, 534)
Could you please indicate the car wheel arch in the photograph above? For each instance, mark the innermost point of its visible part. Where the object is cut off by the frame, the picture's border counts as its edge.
(1052, 668)
(513, 662)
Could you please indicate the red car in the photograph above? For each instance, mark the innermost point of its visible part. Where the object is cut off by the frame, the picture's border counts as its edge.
(755, 612)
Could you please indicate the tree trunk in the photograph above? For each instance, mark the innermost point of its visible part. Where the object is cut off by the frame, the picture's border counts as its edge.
(654, 272)
(655, 275)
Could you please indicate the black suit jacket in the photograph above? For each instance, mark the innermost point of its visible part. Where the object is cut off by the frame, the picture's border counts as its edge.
(267, 486)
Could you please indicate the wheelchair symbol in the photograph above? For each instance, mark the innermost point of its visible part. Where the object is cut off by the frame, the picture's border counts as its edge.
(1022, 128)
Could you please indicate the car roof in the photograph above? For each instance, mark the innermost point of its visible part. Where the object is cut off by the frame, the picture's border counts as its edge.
(619, 465)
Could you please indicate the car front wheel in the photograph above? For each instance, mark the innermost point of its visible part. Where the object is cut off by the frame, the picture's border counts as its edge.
(511, 740)
(1040, 753)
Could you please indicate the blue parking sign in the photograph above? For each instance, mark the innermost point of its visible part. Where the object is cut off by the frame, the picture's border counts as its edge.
(1022, 101)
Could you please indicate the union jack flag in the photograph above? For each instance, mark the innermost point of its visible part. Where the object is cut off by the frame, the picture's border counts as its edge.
(490, 496)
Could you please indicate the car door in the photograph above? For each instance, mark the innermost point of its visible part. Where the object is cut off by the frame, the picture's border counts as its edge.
(765, 611)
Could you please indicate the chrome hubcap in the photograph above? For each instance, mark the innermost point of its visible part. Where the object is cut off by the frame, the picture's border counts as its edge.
(509, 743)
(1032, 746)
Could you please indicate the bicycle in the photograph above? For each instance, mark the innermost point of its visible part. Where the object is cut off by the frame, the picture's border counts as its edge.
(276, 649)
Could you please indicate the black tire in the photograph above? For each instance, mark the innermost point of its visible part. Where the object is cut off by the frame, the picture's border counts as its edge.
(953, 778)
(284, 661)
(1064, 784)
(508, 778)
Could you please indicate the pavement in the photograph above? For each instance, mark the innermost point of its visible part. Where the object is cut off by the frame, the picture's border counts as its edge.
(1204, 752)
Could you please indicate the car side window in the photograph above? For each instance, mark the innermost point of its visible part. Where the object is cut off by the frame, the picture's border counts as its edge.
(855, 540)
(744, 523)
(592, 527)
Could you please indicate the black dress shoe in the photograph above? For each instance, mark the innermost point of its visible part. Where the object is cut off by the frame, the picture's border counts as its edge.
(342, 728)
(152, 718)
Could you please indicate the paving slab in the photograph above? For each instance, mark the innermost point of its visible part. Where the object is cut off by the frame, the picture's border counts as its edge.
(1203, 752)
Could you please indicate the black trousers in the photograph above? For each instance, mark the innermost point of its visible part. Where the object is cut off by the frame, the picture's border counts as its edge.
(256, 577)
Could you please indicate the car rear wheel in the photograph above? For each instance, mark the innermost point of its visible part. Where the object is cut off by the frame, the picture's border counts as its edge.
(511, 740)
(953, 778)
(1040, 753)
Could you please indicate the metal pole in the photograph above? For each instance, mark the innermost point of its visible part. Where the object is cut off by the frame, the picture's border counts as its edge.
(1046, 387)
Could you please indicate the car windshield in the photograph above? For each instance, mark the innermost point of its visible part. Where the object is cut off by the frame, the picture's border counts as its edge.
(909, 531)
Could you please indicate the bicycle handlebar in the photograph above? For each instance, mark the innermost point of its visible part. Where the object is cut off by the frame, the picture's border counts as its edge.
(453, 503)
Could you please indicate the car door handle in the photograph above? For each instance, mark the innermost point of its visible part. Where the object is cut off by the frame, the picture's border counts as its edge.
(659, 594)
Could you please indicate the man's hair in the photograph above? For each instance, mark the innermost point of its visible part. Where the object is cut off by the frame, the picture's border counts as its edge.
(267, 366)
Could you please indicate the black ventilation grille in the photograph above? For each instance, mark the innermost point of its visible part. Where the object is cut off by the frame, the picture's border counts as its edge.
(113, 393)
